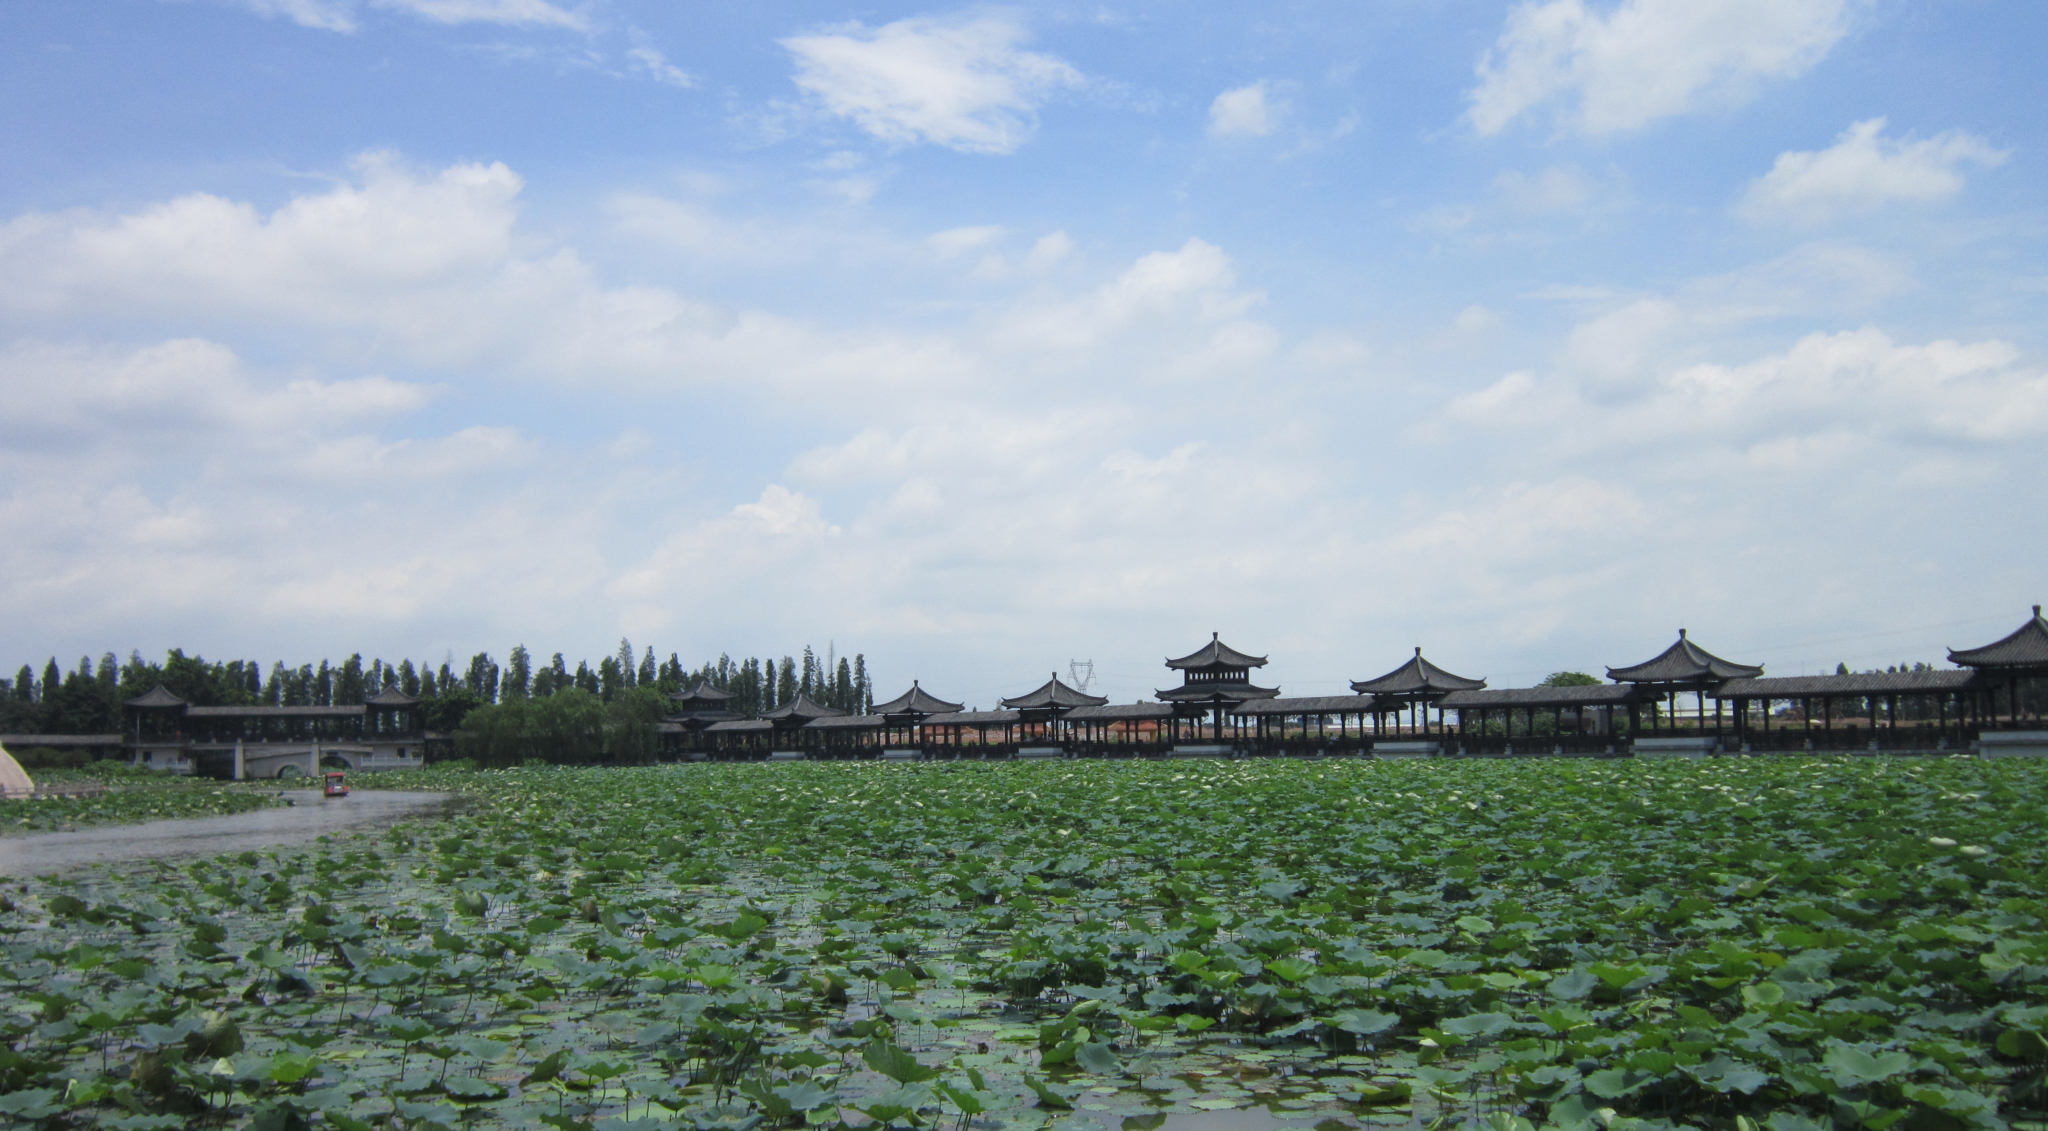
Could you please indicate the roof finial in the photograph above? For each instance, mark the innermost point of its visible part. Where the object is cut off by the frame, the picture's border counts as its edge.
(1214, 636)
(1681, 634)
(2037, 612)
(1418, 650)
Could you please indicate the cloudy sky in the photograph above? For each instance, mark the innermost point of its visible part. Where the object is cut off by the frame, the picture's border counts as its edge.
(983, 339)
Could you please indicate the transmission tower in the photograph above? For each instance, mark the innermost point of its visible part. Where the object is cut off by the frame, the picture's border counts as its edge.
(1081, 673)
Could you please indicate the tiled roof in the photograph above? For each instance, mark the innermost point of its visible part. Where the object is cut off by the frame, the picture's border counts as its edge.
(1217, 654)
(1854, 683)
(157, 697)
(1119, 712)
(916, 701)
(1684, 662)
(1591, 695)
(1055, 694)
(801, 707)
(1416, 676)
(1216, 692)
(974, 718)
(2026, 647)
(1310, 705)
(702, 693)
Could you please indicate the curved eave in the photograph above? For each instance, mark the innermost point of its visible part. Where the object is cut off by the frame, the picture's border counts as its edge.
(1228, 693)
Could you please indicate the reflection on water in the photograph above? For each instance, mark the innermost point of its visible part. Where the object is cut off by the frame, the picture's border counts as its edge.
(309, 817)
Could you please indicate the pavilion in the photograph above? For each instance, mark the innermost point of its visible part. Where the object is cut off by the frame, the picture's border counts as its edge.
(1684, 666)
(1048, 703)
(1416, 685)
(908, 712)
(2020, 656)
(702, 705)
(1215, 681)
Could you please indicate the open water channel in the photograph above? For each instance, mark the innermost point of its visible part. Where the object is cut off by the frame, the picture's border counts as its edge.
(305, 819)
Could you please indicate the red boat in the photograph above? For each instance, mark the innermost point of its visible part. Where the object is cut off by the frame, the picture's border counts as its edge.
(334, 785)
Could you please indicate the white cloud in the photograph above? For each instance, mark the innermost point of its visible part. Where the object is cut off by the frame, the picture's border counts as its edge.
(1243, 112)
(186, 392)
(1560, 188)
(341, 15)
(1049, 250)
(1191, 290)
(1831, 404)
(1082, 462)
(1864, 171)
(425, 268)
(1475, 319)
(956, 241)
(962, 82)
(1645, 60)
(326, 15)
(652, 63)
(532, 13)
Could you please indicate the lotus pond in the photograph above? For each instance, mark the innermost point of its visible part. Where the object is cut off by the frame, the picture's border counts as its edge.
(1733, 943)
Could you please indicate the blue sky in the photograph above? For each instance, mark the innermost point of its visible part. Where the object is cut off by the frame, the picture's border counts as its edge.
(986, 338)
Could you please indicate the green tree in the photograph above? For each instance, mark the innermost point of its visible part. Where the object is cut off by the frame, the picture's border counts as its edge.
(482, 680)
(786, 686)
(632, 726)
(348, 682)
(648, 675)
(1569, 679)
(518, 681)
(408, 679)
(444, 713)
(626, 665)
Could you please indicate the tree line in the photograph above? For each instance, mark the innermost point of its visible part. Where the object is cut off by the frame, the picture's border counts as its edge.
(89, 699)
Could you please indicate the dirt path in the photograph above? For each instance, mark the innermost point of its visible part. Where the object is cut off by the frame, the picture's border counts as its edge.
(309, 817)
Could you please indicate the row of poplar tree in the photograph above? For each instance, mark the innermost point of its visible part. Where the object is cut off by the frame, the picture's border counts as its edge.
(89, 699)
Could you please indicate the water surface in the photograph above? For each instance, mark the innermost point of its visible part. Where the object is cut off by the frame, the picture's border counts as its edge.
(308, 818)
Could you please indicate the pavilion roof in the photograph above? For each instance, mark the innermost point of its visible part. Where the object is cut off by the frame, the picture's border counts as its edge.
(916, 701)
(2027, 647)
(730, 725)
(702, 693)
(1217, 654)
(1852, 683)
(847, 722)
(391, 697)
(1120, 712)
(1684, 662)
(1216, 692)
(1417, 676)
(156, 697)
(27, 740)
(1594, 695)
(801, 707)
(1310, 705)
(1055, 694)
(974, 718)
